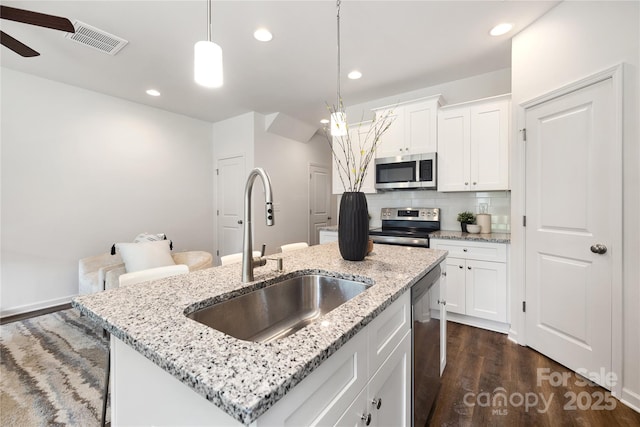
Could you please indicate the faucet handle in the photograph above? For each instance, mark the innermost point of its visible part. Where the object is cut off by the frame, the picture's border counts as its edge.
(264, 248)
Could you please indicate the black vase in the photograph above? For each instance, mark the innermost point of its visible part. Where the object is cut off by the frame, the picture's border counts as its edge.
(463, 226)
(353, 226)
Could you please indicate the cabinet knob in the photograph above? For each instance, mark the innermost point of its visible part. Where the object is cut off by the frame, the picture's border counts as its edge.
(444, 302)
(366, 419)
(377, 403)
(460, 266)
(474, 183)
(464, 250)
(468, 268)
(444, 274)
(599, 248)
(240, 221)
(466, 183)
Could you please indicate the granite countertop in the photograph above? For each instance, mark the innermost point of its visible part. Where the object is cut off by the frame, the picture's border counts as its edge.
(243, 378)
(459, 235)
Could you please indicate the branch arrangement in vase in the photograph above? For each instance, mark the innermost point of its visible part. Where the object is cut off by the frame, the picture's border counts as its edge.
(352, 158)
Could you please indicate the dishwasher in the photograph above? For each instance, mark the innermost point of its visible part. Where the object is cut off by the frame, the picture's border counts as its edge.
(425, 348)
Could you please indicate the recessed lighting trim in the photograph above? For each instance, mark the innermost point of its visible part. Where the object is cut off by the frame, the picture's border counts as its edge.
(324, 121)
(153, 92)
(354, 75)
(263, 35)
(501, 29)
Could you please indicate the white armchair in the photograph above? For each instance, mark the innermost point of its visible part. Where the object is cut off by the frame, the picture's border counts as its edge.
(101, 272)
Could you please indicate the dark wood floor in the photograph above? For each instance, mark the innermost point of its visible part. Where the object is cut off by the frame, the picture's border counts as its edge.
(479, 362)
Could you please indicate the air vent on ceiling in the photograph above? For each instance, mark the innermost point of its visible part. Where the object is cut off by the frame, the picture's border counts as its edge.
(98, 39)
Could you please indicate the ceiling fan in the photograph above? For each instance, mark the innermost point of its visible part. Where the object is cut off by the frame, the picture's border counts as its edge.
(32, 18)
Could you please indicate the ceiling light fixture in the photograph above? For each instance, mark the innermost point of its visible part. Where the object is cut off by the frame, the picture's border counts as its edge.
(324, 121)
(501, 29)
(153, 92)
(338, 116)
(263, 35)
(207, 63)
(354, 75)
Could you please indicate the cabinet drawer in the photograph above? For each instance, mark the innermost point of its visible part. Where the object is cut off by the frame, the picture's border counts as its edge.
(387, 330)
(483, 251)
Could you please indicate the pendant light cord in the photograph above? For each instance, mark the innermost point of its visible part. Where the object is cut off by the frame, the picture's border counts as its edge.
(339, 106)
(209, 20)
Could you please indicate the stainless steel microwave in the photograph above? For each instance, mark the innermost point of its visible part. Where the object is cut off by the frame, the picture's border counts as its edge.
(406, 172)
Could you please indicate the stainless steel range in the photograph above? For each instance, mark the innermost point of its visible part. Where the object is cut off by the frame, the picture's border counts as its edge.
(406, 226)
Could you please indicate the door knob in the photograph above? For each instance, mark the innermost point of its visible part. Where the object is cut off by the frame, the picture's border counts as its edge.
(366, 419)
(598, 248)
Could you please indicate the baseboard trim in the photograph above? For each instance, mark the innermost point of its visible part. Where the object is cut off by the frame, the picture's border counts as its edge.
(29, 308)
(631, 399)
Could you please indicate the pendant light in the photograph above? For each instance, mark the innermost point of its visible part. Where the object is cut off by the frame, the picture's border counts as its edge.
(338, 117)
(207, 64)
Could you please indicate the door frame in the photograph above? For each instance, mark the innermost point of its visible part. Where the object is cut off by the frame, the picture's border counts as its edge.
(517, 332)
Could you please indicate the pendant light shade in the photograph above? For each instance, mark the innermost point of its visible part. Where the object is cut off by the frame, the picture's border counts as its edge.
(208, 64)
(338, 123)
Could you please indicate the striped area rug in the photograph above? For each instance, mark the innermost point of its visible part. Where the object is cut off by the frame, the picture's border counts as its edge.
(52, 371)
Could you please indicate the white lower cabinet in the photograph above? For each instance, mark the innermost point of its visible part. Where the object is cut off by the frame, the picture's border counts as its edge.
(385, 401)
(327, 236)
(376, 361)
(477, 287)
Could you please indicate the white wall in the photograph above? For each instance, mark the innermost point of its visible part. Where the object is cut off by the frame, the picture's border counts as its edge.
(287, 162)
(573, 41)
(80, 171)
(450, 204)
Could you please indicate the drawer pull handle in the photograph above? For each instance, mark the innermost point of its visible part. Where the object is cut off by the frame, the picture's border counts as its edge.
(377, 403)
(366, 419)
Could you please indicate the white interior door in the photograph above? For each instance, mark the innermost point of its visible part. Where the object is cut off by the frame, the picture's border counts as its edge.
(231, 177)
(319, 201)
(573, 184)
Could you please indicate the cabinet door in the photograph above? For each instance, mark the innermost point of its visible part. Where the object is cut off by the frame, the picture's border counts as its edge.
(328, 236)
(490, 146)
(456, 288)
(392, 141)
(390, 388)
(454, 150)
(357, 134)
(420, 127)
(486, 290)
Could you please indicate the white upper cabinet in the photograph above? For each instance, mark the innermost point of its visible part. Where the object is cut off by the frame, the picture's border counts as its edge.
(357, 135)
(473, 145)
(414, 129)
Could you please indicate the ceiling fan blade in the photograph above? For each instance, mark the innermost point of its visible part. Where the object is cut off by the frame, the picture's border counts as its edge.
(36, 18)
(16, 46)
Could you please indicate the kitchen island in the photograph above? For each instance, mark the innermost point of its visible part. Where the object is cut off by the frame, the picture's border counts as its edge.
(245, 379)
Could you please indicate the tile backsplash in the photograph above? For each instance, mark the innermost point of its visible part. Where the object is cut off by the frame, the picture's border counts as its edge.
(450, 204)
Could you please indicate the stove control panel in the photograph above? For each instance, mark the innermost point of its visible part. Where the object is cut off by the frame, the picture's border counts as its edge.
(411, 214)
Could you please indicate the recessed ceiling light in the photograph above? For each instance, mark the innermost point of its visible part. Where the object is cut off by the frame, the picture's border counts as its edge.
(153, 92)
(354, 75)
(501, 29)
(263, 35)
(324, 121)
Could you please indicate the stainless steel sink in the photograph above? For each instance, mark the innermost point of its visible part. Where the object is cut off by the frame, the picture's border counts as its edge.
(279, 310)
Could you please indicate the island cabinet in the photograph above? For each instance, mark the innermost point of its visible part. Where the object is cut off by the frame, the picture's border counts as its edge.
(357, 135)
(374, 365)
(473, 145)
(414, 128)
(477, 290)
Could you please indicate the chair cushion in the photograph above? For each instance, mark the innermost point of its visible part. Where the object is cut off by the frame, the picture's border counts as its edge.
(145, 255)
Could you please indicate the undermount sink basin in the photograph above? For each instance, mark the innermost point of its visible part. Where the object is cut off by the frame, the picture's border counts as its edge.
(279, 310)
